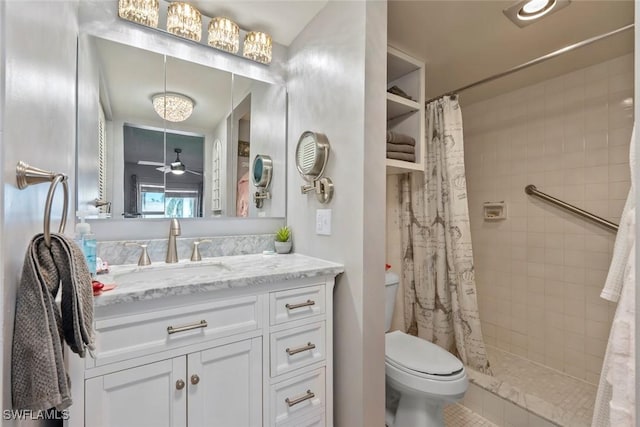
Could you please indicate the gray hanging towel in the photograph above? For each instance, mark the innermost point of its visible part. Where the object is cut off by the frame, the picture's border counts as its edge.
(39, 380)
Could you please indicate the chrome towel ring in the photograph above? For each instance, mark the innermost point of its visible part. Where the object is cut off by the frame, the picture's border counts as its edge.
(28, 175)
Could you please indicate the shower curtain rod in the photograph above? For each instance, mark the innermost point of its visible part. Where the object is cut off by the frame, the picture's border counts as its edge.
(535, 61)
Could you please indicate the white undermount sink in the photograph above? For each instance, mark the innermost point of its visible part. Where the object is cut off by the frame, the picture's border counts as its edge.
(160, 271)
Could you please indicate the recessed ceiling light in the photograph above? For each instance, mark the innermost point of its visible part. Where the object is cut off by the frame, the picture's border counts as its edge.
(526, 12)
(534, 9)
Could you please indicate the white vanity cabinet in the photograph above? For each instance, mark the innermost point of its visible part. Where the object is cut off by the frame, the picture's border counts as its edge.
(257, 355)
(222, 383)
(139, 396)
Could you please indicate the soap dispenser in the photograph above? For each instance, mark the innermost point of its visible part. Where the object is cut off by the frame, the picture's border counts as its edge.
(86, 241)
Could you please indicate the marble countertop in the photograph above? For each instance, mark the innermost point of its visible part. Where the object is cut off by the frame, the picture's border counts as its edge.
(186, 277)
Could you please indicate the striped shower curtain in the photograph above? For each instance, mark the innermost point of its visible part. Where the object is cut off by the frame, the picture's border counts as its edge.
(437, 264)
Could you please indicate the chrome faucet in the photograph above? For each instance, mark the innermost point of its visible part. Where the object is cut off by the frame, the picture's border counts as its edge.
(172, 251)
(195, 254)
(144, 255)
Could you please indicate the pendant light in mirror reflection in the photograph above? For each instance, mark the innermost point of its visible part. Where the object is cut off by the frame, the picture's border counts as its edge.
(184, 20)
(143, 12)
(224, 34)
(174, 107)
(177, 167)
(258, 47)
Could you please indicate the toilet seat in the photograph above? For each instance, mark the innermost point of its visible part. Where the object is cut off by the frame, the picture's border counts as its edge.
(421, 358)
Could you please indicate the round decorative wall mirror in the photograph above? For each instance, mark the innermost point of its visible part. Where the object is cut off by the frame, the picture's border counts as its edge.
(312, 154)
(261, 172)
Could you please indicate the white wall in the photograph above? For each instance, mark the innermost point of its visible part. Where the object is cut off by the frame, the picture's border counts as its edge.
(88, 106)
(540, 272)
(38, 105)
(337, 74)
(4, 366)
(269, 137)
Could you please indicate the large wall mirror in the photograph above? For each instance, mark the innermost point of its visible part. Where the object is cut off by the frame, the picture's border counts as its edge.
(164, 137)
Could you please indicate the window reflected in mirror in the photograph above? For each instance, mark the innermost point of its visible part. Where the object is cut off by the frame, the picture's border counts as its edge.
(163, 173)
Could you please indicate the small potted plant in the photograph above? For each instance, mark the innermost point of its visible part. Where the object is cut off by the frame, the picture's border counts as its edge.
(283, 240)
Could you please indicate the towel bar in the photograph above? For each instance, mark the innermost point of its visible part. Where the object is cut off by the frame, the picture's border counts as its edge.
(28, 175)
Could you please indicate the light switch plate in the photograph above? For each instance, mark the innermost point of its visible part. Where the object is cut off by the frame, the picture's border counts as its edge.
(323, 222)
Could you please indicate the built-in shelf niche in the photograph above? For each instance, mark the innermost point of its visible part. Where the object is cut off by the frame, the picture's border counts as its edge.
(404, 115)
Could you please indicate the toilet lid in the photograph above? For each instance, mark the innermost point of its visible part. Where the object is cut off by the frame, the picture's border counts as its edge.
(416, 354)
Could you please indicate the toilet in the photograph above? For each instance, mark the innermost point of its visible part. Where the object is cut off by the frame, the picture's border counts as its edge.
(426, 376)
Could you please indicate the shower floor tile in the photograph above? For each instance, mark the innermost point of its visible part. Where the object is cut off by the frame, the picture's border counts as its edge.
(544, 391)
(458, 416)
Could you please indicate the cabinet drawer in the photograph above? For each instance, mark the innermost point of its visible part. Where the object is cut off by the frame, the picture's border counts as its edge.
(297, 347)
(296, 304)
(314, 421)
(297, 398)
(136, 335)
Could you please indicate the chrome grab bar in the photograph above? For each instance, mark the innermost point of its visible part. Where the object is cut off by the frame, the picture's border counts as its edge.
(302, 304)
(309, 346)
(307, 396)
(200, 324)
(533, 191)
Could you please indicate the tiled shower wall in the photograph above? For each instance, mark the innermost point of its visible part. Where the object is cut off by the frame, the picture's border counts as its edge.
(539, 273)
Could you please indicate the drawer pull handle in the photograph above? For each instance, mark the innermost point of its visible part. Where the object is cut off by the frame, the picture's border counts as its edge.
(309, 346)
(302, 304)
(179, 385)
(200, 324)
(195, 379)
(307, 396)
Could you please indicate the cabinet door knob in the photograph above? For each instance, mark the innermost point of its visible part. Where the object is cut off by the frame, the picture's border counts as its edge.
(179, 385)
(195, 379)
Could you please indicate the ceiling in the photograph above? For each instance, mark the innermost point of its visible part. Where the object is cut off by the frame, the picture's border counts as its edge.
(131, 76)
(466, 41)
(283, 20)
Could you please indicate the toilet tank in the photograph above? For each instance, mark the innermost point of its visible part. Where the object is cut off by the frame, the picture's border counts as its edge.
(391, 281)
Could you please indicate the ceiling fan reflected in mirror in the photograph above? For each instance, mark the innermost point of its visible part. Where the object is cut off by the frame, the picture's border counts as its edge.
(176, 167)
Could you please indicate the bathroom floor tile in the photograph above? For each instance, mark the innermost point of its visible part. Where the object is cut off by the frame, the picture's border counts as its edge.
(458, 416)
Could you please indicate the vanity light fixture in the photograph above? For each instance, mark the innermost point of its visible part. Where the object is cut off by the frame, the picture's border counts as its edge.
(258, 46)
(526, 12)
(143, 12)
(173, 107)
(184, 20)
(224, 34)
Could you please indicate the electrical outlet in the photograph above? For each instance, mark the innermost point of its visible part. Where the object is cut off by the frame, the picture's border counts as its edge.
(323, 222)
